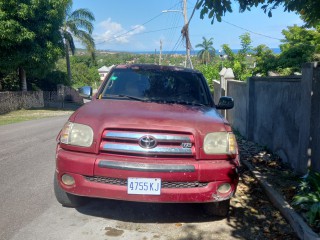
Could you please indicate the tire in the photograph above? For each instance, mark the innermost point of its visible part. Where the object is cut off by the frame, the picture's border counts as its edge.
(220, 209)
(67, 199)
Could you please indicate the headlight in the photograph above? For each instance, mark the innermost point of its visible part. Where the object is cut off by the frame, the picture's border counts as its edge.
(76, 134)
(220, 143)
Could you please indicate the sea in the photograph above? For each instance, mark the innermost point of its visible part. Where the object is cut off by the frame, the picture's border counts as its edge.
(195, 52)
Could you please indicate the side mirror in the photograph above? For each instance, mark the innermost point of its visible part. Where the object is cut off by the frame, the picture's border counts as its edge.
(85, 92)
(225, 103)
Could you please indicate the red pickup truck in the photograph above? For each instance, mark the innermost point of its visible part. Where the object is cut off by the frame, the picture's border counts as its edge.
(150, 134)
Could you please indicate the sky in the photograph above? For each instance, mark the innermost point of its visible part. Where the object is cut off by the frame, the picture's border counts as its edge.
(139, 26)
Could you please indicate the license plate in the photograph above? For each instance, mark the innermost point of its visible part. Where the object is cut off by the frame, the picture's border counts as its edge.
(147, 186)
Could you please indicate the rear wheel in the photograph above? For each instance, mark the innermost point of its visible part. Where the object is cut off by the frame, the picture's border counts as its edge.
(67, 199)
(220, 209)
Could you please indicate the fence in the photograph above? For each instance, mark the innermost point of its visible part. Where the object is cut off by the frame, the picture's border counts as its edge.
(281, 113)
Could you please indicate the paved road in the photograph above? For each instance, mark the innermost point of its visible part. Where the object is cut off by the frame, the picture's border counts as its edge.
(29, 210)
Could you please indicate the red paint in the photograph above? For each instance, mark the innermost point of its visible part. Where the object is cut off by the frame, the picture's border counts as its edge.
(129, 115)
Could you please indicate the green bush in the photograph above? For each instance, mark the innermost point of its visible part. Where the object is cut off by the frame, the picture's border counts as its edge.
(308, 198)
(210, 72)
(9, 82)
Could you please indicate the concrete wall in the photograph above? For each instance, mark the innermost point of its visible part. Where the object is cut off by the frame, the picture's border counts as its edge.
(281, 113)
(217, 91)
(273, 119)
(315, 118)
(238, 115)
(310, 115)
(10, 101)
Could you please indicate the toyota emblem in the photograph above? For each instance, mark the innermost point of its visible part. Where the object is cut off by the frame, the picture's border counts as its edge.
(147, 142)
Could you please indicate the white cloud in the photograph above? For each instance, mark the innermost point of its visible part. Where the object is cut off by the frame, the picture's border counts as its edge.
(111, 32)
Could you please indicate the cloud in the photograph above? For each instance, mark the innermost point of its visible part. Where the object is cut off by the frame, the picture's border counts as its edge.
(111, 32)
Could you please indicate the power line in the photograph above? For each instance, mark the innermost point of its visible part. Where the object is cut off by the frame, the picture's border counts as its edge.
(251, 31)
(174, 22)
(158, 30)
(131, 30)
(177, 45)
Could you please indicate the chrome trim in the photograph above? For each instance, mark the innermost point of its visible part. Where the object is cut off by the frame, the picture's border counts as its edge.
(144, 167)
(164, 184)
(147, 142)
(125, 148)
(137, 136)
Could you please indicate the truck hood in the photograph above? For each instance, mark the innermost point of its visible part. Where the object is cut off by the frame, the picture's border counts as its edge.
(102, 114)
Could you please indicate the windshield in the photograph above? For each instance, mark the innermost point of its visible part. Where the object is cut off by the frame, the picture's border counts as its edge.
(156, 85)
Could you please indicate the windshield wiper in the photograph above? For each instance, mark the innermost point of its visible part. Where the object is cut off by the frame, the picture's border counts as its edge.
(190, 103)
(168, 101)
(132, 97)
(126, 96)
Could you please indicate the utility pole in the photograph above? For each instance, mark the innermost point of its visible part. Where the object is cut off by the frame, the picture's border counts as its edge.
(160, 57)
(185, 33)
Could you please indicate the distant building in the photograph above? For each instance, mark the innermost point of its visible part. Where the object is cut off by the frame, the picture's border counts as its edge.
(103, 71)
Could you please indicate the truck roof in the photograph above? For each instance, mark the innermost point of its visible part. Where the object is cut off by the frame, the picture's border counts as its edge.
(155, 67)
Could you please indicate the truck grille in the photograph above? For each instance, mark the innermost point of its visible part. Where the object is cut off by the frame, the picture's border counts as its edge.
(151, 144)
(123, 182)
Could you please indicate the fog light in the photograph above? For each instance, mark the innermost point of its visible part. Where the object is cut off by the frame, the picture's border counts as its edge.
(224, 188)
(67, 179)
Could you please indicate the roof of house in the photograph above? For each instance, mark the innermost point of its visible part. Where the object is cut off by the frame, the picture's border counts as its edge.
(105, 68)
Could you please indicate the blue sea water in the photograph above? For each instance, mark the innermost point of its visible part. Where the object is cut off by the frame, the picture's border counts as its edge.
(194, 52)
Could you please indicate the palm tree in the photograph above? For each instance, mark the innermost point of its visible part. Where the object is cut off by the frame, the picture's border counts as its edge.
(77, 24)
(207, 51)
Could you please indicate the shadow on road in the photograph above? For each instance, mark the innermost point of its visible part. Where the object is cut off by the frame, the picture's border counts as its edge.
(138, 212)
(251, 216)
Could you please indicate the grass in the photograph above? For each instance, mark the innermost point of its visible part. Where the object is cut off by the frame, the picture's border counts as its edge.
(31, 114)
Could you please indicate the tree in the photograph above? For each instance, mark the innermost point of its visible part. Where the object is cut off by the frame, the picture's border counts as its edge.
(77, 24)
(300, 45)
(244, 57)
(207, 51)
(30, 39)
(84, 76)
(245, 43)
(228, 51)
(296, 35)
(265, 60)
(210, 72)
(308, 9)
(240, 62)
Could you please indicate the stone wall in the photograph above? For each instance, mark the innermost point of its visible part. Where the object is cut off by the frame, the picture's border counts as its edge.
(10, 101)
(62, 98)
(68, 94)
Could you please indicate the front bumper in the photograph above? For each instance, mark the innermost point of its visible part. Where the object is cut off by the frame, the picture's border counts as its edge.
(85, 167)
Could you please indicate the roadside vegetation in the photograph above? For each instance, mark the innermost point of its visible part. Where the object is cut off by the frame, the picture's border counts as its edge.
(45, 54)
(307, 200)
(30, 114)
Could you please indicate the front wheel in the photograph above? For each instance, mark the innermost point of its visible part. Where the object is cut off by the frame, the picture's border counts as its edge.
(220, 209)
(67, 199)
